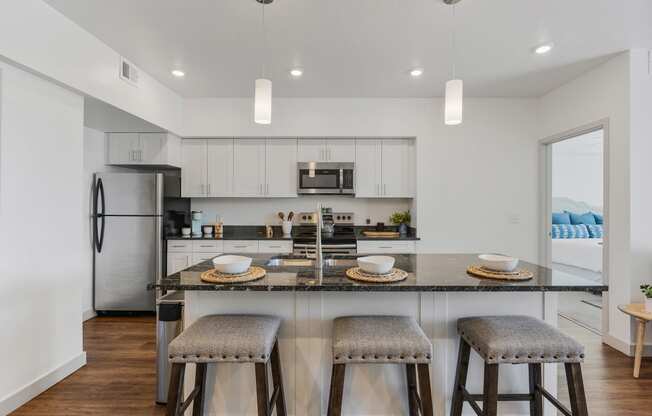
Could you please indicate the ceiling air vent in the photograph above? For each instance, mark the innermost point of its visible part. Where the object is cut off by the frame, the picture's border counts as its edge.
(128, 72)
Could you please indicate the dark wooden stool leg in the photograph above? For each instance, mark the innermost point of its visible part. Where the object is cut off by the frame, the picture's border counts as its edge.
(337, 390)
(463, 357)
(200, 383)
(424, 390)
(490, 396)
(175, 391)
(277, 377)
(411, 374)
(262, 389)
(536, 404)
(576, 389)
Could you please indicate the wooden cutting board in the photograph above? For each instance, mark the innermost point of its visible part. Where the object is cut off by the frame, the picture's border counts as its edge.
(381, 234)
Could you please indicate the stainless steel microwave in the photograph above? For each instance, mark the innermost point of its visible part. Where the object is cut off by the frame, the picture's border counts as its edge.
(326, 178)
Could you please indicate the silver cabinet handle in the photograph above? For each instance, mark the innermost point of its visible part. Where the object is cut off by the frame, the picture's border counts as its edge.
(240, 246)
(266, 189)
(209, 189)
(177, 246)
(131, 155)
(329, 154)
(140, 155)
(385, 189)
(377, 189)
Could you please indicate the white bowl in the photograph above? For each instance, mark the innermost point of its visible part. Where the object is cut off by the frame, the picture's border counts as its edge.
(376, 264)
(498, 263)
(232, 264)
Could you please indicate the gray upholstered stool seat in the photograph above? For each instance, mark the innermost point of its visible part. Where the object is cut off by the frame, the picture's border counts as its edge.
(380, 339)
(518, 340)
(226, 338)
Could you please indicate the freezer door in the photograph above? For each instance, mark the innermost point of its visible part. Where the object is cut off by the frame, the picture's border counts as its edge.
(129, 260)
(131, 193)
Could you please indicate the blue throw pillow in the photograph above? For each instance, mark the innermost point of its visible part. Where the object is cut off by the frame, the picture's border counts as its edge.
(595, 231)
(560, 218)
(586, 218)
(599, 218)
(569, 231)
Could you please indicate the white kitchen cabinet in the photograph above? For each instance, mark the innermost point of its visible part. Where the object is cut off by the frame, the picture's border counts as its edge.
(241, 246)
(249, 167)
(219, 167)
(143, 149)
(201, 257)
(384, 168)
(178, 261)
(208, 246)
(386, 247)
(326, 150)
(281, 168)
(275, 246)
(193, 168)
(367, 168)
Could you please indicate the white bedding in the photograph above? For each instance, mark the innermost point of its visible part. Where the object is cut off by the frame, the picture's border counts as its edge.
(585, 253)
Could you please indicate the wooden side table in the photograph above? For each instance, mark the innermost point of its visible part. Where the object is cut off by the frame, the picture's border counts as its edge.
(637, 310)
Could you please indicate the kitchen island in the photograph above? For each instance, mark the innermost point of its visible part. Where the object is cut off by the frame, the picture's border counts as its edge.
(436, 293)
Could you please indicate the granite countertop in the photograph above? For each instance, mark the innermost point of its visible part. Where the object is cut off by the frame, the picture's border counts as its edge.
(410, 236)
(426, 273)
(239, 232)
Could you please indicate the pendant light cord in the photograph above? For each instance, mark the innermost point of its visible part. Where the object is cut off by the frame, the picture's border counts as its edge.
(264, 42)
(454, 42)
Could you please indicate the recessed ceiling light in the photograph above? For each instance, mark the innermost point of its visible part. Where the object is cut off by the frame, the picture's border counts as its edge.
(177, 73)
(416, 72)
(296, 72)
(543, 49)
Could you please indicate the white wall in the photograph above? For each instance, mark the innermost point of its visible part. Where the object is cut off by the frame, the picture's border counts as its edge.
(41, 39)
(476, 183)
(41, 243)
(603, 93)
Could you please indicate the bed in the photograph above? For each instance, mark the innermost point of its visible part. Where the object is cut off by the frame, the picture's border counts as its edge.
(585, 253)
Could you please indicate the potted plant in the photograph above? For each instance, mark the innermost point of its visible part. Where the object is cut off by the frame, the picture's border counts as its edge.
(647, 291)
(402, 219)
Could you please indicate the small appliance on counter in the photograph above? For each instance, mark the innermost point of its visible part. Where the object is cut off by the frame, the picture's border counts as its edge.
(196, 223)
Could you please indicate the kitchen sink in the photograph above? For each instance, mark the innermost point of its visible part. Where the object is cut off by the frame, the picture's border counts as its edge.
(306, 262)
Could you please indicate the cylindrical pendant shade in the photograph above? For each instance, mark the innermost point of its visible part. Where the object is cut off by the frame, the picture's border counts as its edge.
(454, 102)
(263, 101)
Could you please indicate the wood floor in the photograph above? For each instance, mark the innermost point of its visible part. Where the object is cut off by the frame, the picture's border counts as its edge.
(120, 377)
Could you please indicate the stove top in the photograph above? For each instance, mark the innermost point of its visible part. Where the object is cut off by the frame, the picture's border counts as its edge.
(342, 234)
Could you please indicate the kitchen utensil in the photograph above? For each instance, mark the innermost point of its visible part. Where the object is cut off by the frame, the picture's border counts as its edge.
(376, 264)
(498, 262)
(269, 231)
(380, 226)
(281, 216)
(231, 264)
(291, 216)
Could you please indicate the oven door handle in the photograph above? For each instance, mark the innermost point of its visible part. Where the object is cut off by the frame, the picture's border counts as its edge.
(339, 246)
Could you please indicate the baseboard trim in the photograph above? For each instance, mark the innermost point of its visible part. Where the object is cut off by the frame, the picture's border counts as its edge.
(88, 314)
(626, 348)
(26, 393)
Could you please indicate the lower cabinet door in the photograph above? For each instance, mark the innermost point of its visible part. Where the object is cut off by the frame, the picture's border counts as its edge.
(178, 261)
(277, 246)
(201, 257)
(241, 246)
(386, 247)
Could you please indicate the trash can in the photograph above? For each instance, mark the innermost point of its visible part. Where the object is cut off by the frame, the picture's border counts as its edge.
(169, 324)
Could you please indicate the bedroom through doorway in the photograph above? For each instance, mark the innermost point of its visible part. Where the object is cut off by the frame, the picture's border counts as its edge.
(576, 224)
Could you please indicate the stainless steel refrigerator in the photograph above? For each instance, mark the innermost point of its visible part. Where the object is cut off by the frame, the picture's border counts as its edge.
(127, 235)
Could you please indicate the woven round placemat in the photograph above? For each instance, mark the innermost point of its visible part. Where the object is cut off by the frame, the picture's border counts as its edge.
(395, 275)
(213, 276)
(516, 275)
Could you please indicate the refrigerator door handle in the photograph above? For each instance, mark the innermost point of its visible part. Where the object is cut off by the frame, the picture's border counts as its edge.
(99, 236)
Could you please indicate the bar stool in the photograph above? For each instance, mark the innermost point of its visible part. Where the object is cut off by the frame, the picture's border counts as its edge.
(227, 339)
(517, 340)
(382, 340)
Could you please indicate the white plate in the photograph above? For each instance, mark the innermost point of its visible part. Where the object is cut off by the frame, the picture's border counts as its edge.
(231, 264)
(498, 263)
(376, 264)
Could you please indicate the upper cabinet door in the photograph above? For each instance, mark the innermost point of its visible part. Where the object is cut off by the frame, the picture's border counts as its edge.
(193, 168)
(281, 168)
(249, 167)
(122, 148)
(396, 168)
(219, 167)
(312, 150)
(151, 148)
(367, 168)
(340, 150)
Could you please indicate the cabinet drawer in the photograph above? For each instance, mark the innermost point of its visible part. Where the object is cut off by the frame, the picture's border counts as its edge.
(389, 247)
(279, 246)
(241, 246)
(200, 257)
(208, 246)
(177, 262)
(179, 245)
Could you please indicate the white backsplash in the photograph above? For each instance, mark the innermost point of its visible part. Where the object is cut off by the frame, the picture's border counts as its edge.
(259, 211)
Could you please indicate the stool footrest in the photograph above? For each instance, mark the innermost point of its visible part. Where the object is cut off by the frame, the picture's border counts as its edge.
(189, 400)
(552, 399)
(473, 399)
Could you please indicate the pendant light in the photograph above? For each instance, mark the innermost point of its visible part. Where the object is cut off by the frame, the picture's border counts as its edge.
(453, 104)
(263, 86)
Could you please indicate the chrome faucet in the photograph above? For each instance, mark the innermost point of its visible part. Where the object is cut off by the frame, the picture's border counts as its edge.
(319, 257)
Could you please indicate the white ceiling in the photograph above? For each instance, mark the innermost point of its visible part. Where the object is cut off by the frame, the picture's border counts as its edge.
(364, 48)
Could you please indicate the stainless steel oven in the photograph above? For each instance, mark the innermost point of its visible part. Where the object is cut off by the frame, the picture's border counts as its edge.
(325, 178)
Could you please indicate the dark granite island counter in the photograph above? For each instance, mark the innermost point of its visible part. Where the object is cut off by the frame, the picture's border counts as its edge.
(436, 293)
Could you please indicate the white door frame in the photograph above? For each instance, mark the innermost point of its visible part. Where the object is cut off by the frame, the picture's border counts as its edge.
(545, 199)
